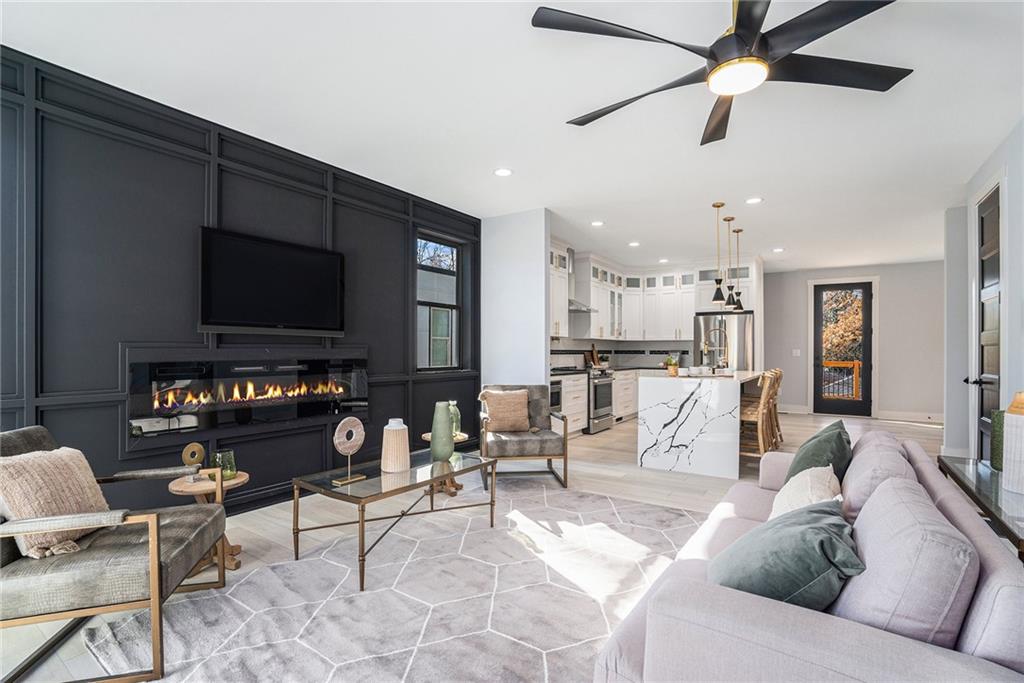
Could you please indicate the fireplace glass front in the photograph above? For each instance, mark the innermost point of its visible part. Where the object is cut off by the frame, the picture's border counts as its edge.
(175, 396)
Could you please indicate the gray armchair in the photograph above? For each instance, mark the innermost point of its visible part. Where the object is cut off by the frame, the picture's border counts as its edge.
(541, 443)
(133, 560)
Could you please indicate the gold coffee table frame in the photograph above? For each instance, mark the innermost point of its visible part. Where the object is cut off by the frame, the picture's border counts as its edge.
(424, 472)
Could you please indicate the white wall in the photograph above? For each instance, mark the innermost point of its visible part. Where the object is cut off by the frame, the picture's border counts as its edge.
(514, 298)
(909, 336)
(955, 409)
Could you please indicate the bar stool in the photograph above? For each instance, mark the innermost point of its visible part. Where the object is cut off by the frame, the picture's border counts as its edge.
(756, 414)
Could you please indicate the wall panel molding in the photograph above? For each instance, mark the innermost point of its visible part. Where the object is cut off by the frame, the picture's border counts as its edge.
(100, 265)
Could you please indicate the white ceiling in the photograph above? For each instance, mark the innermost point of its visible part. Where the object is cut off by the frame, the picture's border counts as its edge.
(431, 97)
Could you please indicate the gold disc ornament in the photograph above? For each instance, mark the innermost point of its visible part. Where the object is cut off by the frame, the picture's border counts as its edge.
(193, 453)
(348, 437)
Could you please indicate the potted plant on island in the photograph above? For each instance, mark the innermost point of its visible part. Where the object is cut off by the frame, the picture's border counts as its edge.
(672, 365)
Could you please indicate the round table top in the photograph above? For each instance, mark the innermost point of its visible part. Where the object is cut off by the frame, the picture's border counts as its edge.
(459, 437)
(182, 487)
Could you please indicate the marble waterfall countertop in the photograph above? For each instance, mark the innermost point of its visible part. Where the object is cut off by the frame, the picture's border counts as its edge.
(691, 424)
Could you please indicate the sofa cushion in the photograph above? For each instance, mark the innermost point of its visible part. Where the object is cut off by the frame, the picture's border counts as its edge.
(48, 484)
(881, 459)
(747, 500)
(544, 442)
(877, 437)
(507, 411)
(716, 534)
(921, 571)
(813, 485)
(16, 442)
(112, 565)
(802, 557)
(621, 660)
(830, 446)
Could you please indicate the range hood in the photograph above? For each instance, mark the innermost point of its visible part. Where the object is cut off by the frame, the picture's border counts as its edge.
(575, 306)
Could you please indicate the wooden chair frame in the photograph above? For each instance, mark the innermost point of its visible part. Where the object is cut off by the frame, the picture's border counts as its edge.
(154, 603)
(563, 456)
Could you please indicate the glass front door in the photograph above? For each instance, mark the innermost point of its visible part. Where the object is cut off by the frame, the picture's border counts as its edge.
(842, 348)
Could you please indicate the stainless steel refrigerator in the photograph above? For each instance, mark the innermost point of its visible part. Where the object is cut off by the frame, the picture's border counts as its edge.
(724, 339)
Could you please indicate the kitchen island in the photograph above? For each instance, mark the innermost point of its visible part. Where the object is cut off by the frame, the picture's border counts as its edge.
(691, 424)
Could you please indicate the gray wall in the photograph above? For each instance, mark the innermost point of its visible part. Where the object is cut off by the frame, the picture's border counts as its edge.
(909, 334)
(955, 436)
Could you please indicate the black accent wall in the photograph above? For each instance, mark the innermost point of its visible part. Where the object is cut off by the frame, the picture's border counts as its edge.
(103, 193)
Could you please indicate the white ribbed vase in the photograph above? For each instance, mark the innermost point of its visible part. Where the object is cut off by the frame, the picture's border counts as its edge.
(394, 455)
(1013, 446)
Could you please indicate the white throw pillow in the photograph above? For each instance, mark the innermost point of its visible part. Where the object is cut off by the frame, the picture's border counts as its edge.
(813, 485)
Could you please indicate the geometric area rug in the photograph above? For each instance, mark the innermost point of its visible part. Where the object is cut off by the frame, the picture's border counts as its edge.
(447, 598)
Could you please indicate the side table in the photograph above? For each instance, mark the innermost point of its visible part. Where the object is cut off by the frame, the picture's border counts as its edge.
(204, 491)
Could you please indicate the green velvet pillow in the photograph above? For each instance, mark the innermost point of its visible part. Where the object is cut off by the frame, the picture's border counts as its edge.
(802, 557)
(830, 446)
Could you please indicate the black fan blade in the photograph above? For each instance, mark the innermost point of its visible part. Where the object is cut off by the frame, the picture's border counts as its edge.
(815, 23)
(844, 73)
(749, 19)
(718, 121)
(546, 17)
(696, 76)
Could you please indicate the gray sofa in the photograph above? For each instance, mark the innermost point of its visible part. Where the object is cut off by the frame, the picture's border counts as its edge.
(685, 628)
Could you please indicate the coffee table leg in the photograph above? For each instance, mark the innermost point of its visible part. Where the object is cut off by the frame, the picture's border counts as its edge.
(494, 477)
(362, 546)
(295, 520)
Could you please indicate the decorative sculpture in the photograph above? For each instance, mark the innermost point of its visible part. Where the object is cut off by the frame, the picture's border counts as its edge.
(348, 439)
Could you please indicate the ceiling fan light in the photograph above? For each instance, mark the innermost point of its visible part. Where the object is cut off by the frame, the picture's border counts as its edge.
(738, 75)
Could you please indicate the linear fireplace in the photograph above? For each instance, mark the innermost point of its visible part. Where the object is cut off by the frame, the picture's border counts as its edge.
(172, 396)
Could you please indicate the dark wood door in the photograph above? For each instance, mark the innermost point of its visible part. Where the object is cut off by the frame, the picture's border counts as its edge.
(842, 348)
(986, 381)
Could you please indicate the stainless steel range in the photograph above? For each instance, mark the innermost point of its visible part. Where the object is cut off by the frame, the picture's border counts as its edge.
(599, 404)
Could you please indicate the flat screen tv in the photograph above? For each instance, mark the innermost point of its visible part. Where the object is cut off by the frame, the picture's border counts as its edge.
(255, 285)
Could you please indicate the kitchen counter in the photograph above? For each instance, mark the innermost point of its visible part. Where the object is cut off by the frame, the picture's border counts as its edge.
(691, 424)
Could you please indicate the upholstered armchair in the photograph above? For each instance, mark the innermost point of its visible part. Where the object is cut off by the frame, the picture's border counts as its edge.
(540, 443)
(133, 560)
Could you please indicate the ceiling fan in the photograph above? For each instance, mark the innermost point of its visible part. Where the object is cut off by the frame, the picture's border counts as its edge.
(745, 56)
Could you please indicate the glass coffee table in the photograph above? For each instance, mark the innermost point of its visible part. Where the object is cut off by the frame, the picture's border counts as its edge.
(424, 475)
(1004, 509)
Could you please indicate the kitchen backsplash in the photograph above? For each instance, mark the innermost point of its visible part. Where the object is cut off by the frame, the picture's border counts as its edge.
(621, 354)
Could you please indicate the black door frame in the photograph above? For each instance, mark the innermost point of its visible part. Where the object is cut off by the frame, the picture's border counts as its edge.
(860, 407)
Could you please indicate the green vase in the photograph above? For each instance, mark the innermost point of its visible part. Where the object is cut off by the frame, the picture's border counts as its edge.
(442, 443)
(996, 445)
(453, 406)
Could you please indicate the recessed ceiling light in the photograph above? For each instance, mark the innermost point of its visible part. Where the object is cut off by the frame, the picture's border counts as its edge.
(634, 244)
(778, 250)
(503, 172)
(755, 200)
(596, 224)
(663, 260)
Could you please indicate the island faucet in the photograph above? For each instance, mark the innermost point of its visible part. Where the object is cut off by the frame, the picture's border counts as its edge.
(723, 360)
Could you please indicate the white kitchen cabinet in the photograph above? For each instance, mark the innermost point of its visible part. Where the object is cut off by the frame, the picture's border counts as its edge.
(624, 394)
(687, 310)
(632, 314)
(574, 401)
(559, 303)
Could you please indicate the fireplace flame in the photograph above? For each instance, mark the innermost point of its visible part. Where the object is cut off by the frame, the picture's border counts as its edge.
(243, 393)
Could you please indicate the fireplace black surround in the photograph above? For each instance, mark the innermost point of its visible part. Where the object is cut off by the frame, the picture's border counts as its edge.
(177, 396)
(103, 195)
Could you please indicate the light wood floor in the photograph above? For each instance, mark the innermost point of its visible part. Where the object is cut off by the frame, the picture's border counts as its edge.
(600, 463)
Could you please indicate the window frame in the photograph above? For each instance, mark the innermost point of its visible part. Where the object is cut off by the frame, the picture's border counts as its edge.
(455, 331)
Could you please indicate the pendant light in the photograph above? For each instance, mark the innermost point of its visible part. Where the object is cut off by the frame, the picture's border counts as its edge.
(737, 231)
(730, 301)
(719, 297)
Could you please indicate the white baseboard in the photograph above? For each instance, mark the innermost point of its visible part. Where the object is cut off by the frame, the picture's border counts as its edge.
(953, 452)
(909, 417)
(793, 409)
